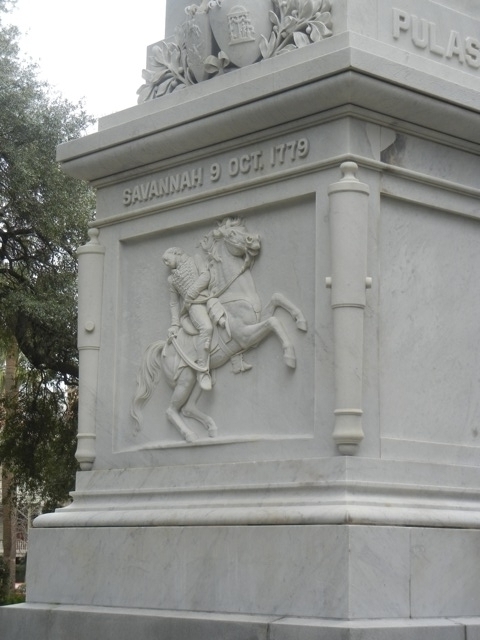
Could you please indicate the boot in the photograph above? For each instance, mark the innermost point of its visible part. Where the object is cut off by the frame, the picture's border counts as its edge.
(205, 381)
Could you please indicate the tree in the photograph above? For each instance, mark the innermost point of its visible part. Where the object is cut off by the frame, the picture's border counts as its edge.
(44, 216)
(38, 440)
(8, 389)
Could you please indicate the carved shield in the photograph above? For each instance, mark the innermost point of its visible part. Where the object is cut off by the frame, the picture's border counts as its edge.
(238, 26)
(199, 43)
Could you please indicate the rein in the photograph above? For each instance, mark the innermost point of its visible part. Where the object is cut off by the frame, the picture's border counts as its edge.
(188, 361)
(225, 286)
(185, 358)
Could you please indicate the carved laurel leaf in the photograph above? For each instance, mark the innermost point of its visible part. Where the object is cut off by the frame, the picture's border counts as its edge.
(289, 24)
(171, 47)
(307, 10)
(326, 18)
(317, 6)
(158, 56)
(274, 18)
(301, 39)
(315, 35)
(321, 28)
(160, 75)
(267, 47)
(289, 6)
(176, 59)
(263, 46)
(144, 93)
(180, 33)
(167, 56)
(165, 87)
(147, 75)
(326, 5)
(289, 47)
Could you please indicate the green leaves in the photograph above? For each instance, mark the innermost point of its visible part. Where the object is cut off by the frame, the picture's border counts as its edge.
(44, 217)
(39, 439)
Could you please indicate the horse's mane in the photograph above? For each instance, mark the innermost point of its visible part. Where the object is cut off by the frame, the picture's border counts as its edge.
(209, 242)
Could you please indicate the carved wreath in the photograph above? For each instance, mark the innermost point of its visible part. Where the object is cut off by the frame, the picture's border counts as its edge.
(295, 24)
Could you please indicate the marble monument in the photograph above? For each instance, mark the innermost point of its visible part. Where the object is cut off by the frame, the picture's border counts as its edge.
(279, 336)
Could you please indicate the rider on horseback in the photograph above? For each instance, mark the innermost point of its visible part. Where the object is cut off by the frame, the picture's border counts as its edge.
(189, 277)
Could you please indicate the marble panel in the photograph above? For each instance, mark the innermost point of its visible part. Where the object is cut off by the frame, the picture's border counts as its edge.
(430, 157)
(379, 579)
(402, 629)
(262, 412)
(25, 622)
(472, 626)
(343, 572)
(256, 570)
(28, 622)
(445, 566)
(274, 423)
(443, 33)
(428, 335)
(277, 154)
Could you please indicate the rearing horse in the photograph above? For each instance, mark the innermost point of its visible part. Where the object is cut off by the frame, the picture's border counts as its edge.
(231, 251)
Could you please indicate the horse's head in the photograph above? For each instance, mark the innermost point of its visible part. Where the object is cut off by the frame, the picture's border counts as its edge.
(237, 239)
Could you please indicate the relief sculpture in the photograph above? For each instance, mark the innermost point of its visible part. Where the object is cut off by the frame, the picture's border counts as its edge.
(219, 36)
(216, 316)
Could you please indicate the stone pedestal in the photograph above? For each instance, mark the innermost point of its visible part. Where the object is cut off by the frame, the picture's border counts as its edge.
(331, 488)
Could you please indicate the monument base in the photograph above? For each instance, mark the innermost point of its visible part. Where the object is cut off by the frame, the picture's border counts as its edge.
(57, 622)
(276, 582)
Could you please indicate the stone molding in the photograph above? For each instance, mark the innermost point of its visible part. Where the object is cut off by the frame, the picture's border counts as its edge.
(347, 490)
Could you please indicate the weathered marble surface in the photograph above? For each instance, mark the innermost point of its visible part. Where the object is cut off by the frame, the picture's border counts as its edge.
(346, 572)
(444, 32)
(385, 541)
(56, 623)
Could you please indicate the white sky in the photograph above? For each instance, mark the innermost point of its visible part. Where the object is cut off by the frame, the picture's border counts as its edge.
(90, 49)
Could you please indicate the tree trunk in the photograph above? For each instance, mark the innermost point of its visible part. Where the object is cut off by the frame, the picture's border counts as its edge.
(9, 527)
(8, 483)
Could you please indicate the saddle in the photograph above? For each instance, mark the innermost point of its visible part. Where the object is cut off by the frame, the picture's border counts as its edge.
(217, 314)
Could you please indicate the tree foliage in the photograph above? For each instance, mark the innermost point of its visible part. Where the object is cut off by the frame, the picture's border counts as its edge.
(39, 439)
(44, 216)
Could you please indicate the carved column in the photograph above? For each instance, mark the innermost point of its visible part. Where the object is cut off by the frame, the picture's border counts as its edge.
(90, 288)
(349, 234)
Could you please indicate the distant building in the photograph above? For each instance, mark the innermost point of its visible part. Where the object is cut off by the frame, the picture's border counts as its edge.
(23, 523)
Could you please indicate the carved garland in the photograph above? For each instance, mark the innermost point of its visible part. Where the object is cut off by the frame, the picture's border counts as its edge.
(292, 24)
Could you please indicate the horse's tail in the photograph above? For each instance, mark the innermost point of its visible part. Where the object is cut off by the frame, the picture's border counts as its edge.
(147, 379)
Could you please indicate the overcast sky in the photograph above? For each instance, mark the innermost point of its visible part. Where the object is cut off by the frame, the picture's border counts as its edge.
(91, 49)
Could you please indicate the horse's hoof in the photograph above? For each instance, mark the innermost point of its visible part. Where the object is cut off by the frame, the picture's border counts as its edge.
(289, 358)
(212, 431)
(190, 437)
(302, 324)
